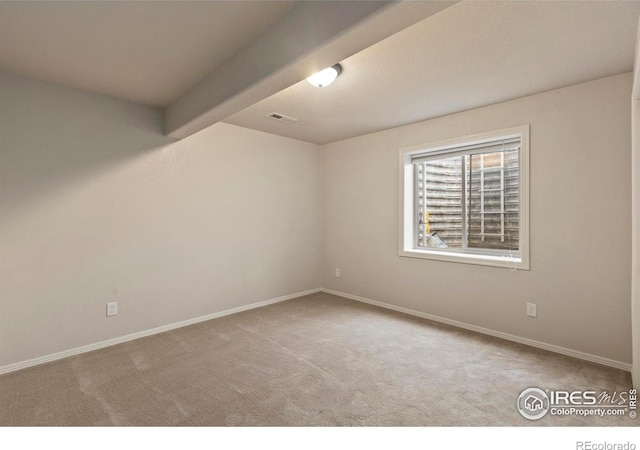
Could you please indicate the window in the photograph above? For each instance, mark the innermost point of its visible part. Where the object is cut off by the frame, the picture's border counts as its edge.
(467, 200)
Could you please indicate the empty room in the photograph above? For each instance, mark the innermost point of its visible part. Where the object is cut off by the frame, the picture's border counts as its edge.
(319, 214)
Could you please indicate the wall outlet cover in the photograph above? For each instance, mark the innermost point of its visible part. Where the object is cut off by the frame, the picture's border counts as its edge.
(532, 310)
(112, 309)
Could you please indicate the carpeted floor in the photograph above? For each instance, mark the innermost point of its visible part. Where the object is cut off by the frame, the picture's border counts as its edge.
(315, 360)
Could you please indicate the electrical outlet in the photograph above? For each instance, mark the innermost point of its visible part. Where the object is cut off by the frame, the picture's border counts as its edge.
(112, 309)
(337, 273)
(532, 310)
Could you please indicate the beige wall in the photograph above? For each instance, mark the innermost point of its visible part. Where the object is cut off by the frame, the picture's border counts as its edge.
(97, 206)
(580, 223)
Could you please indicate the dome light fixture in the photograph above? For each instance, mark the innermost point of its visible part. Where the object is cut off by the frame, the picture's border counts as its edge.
(326, 76)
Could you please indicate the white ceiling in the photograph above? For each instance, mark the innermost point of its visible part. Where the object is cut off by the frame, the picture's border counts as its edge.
(469, 55)
(146, 52)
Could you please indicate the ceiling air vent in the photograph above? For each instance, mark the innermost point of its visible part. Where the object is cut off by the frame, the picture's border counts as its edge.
(281, 118)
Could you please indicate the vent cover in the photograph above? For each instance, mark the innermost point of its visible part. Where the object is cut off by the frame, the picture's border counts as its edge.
(281, 118)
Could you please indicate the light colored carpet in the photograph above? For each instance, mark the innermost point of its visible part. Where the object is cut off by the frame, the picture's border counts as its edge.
(315, 360)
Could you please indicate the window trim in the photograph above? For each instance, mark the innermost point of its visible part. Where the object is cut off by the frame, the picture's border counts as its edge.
(406, 241)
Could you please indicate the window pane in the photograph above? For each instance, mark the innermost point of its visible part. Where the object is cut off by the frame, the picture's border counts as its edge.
(493, 209)
(466, 199)
(439, 191)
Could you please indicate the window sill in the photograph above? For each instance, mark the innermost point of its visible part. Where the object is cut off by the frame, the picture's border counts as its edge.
(507, 262)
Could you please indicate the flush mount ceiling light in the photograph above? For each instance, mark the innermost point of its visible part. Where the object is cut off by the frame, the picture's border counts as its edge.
(326, 76)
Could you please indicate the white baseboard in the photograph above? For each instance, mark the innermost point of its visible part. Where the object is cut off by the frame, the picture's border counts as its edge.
(130, 337)
(498, 334)
(509, 337)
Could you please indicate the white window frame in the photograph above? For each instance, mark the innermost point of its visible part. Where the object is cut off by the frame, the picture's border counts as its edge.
(407, 235)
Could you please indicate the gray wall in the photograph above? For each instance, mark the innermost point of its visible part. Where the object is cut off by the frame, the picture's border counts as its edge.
(96, 206)
(580, 222)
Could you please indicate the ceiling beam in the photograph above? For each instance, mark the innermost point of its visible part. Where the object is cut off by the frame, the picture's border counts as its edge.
(311, 36)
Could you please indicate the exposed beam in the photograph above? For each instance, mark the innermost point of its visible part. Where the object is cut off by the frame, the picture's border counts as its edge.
(311, 36)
